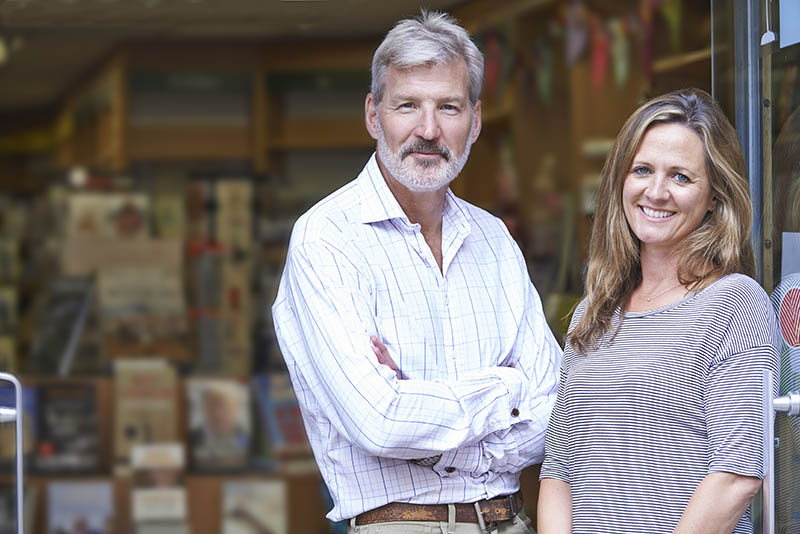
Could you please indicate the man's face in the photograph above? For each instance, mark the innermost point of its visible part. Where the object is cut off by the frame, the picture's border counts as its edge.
(425, 125)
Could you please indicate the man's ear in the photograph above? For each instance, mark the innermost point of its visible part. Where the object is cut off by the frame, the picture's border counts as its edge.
(371, 116)
(476, 117)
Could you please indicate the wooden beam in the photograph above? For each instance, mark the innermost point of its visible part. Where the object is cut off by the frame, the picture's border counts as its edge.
(200, 142)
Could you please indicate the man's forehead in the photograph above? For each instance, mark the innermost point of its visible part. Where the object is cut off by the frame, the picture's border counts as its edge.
(428, 75)
(456, 62)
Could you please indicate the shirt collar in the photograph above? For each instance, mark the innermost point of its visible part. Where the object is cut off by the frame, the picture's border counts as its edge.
(377, 201)
(379, 204)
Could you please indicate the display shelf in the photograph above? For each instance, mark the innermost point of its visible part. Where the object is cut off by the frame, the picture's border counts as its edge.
(671, 63)
(319, 133)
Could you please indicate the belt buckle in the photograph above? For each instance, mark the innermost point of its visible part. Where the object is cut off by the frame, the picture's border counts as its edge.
(487, 526)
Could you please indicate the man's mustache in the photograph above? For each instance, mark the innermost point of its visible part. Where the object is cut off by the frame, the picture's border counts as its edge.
(427, 147)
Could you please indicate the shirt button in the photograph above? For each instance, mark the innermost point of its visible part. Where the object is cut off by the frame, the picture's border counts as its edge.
(450, 469)
(514, 412)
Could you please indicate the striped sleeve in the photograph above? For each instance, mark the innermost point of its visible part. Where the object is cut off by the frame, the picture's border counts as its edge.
(555, 449)
(733, 393)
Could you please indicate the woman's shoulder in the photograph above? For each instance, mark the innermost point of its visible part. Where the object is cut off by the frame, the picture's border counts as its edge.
(577, 313)
(740, 303)
(735, 291)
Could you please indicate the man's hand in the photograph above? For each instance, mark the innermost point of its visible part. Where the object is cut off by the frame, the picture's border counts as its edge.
(382, 354)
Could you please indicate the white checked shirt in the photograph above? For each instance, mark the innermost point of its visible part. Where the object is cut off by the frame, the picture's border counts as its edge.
(480, 366)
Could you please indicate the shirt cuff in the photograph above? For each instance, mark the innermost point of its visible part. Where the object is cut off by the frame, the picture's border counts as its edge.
(518, 409)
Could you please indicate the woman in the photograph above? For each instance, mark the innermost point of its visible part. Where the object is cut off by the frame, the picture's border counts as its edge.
(657, 425)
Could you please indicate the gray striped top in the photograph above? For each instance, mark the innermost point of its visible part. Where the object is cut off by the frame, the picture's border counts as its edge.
(677, 394)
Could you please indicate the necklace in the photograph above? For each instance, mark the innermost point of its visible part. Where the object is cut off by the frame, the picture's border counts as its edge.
(648, 299)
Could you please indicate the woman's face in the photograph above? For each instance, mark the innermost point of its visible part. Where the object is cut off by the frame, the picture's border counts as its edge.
(667, 191)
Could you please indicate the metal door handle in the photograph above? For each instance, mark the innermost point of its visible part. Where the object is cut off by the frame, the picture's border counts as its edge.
(789, 403)
(15, 414)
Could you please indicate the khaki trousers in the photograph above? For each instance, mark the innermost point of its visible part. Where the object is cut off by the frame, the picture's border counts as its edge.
(520, 524)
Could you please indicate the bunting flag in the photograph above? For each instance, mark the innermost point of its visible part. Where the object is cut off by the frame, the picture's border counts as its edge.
(493, 62)
(577, 33)
(600, 51)
(645, 23)
(620, 51)
(544, 69)
(672, 10)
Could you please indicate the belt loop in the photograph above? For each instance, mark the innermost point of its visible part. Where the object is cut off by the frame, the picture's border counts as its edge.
(479, 514)
(512, 505)
(451, 519)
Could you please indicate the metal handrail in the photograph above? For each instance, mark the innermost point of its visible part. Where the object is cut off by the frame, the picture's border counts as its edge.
(16, 414)
(790, 404)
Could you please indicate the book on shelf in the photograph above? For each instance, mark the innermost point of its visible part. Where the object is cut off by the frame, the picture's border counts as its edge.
(82, 256)
(8, 508)
(161, 527)
(169, 215)
(280, 414)
(108, 214)
(219, 424)
(67, 428)
(8, 430)
(234, 216)
(145, 403)
(8, 309)
(58, 341)
(255, 507)
(8, 354)
(237, 311)
(198, 213)
(142, 310)
(206, 260)
(15, 214)
(209, 341)
(80, 507)
(158, 494)
(9, 260)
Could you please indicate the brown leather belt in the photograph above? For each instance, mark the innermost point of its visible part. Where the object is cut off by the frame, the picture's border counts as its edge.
(493, 510)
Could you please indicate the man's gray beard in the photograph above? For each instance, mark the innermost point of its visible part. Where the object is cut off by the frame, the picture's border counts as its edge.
(422, 176)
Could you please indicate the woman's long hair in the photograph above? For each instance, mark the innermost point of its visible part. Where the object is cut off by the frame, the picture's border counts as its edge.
(720, 246)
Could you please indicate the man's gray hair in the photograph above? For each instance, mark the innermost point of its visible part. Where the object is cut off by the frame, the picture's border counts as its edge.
(432, 38)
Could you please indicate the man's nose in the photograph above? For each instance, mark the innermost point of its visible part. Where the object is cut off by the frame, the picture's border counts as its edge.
(428, 127)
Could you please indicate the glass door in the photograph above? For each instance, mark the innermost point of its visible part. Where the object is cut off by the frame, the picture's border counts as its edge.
(780, 111)
(755, 63)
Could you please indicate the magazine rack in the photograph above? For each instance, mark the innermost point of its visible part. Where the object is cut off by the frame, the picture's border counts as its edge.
(8, 414)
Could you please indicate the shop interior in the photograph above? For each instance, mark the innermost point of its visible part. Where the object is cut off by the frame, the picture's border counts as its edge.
(154, 155)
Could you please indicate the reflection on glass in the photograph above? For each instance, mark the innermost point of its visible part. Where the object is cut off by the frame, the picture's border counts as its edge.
(783, 115)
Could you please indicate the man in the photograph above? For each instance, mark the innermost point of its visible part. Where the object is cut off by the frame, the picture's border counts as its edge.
(437, 428)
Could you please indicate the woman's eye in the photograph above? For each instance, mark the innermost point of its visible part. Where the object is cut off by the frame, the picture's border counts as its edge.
(641, 171)
(682, 178)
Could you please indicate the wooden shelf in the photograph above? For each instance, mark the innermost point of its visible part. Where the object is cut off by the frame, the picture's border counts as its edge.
(678, 61)
(318, 133)
(306, 511)
(200, 142)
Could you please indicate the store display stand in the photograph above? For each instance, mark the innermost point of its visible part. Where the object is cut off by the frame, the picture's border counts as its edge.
(8, 414)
